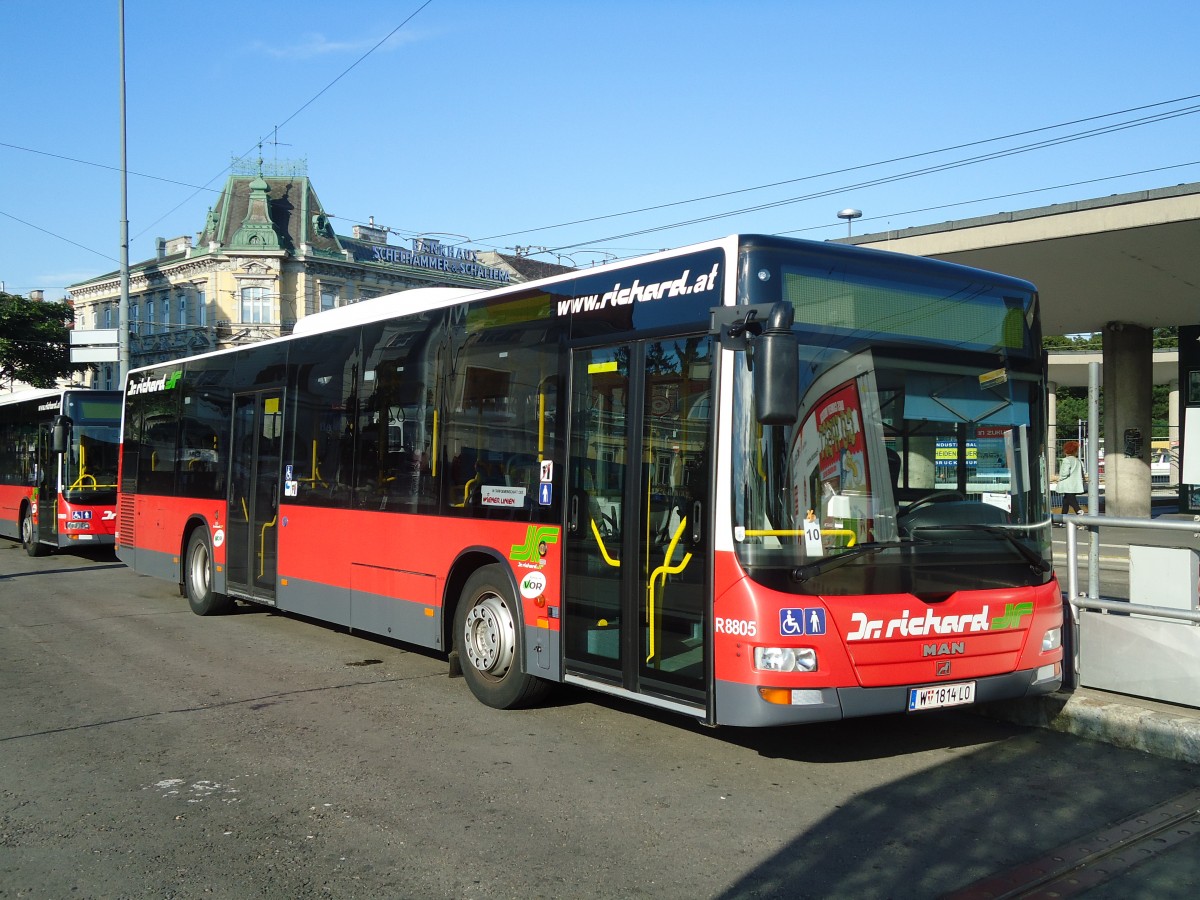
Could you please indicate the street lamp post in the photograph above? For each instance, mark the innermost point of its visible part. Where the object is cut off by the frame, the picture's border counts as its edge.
(123, 308)
(849, 214)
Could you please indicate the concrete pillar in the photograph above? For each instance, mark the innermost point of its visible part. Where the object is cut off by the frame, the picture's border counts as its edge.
(1128, 385)
(920, 466)
(1051, 430)
(1173, 427)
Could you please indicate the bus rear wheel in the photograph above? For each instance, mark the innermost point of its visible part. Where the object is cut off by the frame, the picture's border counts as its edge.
(197, 578)
(488, 639)
(29, 536)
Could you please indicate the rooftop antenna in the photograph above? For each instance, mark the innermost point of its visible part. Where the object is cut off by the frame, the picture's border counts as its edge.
(275, 142)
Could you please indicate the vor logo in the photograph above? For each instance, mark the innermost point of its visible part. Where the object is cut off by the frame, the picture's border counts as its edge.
(536, 539)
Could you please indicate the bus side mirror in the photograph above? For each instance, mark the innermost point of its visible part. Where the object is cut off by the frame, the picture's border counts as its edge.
(60, 434)
(775, 368)
(763, 331)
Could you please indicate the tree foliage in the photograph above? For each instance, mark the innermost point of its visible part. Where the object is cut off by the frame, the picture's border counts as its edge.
(35, 341)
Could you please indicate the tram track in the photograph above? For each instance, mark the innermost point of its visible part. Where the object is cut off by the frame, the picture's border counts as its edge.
(1078, 866)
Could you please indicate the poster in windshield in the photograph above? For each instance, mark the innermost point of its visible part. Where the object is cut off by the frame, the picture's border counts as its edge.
(830, 475)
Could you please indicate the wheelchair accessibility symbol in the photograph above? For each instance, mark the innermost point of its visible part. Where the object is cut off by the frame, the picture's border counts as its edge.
(795, 622)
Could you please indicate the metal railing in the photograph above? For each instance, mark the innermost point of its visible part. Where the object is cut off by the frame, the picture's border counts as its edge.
(1128, 645)
(1092, 599)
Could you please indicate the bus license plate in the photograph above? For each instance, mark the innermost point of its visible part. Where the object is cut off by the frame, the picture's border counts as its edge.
(941, 696)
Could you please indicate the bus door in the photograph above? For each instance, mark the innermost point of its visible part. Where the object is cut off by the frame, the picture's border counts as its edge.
(47, 485)
(252, 532)
(637, 574)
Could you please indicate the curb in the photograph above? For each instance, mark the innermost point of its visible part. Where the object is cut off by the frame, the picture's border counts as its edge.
(1157, 729)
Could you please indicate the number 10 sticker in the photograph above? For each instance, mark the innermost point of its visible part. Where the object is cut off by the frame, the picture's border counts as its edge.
(812, 536)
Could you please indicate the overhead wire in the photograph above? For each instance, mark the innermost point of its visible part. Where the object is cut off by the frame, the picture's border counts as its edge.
(301, 109)
(994, 197)
(584, 245)
(888, 179)
(842, 171)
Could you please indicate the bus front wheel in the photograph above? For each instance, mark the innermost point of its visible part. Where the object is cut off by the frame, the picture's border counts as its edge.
(29, 536)
(197, 578)
(488, 638)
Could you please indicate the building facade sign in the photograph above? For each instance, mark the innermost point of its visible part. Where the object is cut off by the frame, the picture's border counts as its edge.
(434, 255)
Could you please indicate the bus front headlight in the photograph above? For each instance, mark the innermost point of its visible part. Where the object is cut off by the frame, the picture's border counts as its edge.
(785, 659)
(1051, 640)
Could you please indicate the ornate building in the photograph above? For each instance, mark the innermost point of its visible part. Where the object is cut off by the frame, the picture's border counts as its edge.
(266, 257)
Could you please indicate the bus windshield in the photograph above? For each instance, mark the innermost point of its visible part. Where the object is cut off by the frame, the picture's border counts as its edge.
(916, 458)
(90, 463)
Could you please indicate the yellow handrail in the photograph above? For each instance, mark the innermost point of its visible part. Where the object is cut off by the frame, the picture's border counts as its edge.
(315, 478)
(467, 491)
(262, 546)
(436, 447)
(615, 563)
(786, 532)
(663, 571)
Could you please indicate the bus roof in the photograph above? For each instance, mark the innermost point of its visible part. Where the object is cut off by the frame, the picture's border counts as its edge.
(383, 307)
(30, 394)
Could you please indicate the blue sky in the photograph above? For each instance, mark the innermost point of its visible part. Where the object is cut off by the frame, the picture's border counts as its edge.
(504, 121)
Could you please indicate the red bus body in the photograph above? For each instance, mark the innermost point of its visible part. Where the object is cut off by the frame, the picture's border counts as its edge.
(562, 482)
(52, 498)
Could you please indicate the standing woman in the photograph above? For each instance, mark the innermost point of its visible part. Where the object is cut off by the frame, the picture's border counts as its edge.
(1070, 478)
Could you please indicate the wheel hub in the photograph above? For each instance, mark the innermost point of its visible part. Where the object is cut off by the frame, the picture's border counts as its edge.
(490, 636)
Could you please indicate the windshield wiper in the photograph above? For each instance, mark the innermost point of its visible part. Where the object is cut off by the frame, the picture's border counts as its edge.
(1036, 560)
(826, 563)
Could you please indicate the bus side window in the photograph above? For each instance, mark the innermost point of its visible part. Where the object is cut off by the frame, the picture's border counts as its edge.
(397, 406)
(158, 446)
(502, 409)
(324, 369)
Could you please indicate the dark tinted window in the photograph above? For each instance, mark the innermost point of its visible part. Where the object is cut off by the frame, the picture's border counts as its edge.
(152, 432)
(501, 412)
(396, 413)
(18, 441)
(204, 433)
(325, 371)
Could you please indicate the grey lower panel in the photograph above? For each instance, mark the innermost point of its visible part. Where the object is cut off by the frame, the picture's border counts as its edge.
(318, 601)
(66, 541)
(742, 705)
(365, 611)
(543, 653)
(153, 563)
(1144, 657)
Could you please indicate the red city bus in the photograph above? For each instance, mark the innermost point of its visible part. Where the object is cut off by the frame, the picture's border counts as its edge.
(730, 480)
(58, 467)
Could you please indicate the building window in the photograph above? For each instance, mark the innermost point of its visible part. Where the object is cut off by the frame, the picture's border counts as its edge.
(108, 311)
(149, 316)
(201, 308)
(183, 308)
(134, 317)
(256, 305)
(329, 298)
(166, 312)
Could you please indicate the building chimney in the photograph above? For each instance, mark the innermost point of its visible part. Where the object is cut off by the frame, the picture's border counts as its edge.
(179, 245)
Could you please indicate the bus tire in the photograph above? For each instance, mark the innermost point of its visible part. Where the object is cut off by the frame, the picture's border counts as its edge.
(198, 578)
(33, 546)
(489, 639)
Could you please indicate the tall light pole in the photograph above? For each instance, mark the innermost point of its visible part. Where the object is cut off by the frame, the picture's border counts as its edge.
(849, 214)
(123, 309)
